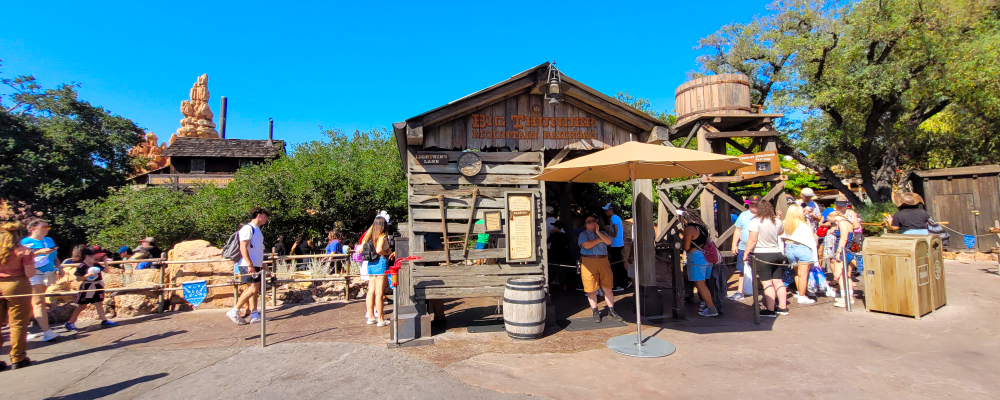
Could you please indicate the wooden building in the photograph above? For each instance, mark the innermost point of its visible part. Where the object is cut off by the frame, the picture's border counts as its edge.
(199, 160)
(966, 198)
(475, 158)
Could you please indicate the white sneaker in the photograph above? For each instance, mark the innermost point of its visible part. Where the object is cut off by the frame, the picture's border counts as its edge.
(33, 336)
(371, 321)
(830, 293)
(234, 315)
(362, 294)
(382, 323)
(254, 317)
(804, 300)
(49, 335)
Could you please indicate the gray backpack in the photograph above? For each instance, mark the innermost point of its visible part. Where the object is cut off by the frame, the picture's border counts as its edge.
(231, 250)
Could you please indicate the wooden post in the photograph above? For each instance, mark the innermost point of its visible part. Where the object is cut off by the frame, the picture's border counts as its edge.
(707, 198)
(645, 238)
(675, 264)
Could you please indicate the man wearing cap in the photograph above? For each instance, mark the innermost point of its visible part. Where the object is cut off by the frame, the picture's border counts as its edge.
(740, 236)
(841, 205)
(595, 271)
(809, 208)
(616, 247)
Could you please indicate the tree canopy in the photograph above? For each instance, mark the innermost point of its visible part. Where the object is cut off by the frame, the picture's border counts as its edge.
(342, 182)
(873, 86)
(56, 150)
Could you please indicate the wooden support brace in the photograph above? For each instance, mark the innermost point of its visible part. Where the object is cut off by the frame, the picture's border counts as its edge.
(725, 197)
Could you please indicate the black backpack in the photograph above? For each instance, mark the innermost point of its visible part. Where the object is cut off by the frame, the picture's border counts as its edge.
(368, 252)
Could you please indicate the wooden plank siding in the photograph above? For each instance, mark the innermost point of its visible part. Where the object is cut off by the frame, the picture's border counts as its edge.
(456, 134)
(502, 172)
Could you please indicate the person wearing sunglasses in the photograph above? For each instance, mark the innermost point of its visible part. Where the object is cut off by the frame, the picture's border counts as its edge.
(595, 269)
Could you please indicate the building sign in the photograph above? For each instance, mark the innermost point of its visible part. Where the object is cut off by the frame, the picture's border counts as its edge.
(425, 158)
(521, 227)
(761, 164)
(189, 180)
(525, 127)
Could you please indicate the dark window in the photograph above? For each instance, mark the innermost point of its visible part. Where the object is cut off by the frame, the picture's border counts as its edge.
(197, 165)
(245, 162)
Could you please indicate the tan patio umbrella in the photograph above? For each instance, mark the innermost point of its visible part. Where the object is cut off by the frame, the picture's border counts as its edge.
(628, 162)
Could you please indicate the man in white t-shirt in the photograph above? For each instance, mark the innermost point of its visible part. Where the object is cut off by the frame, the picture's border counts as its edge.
(250, 265)
(809, 208)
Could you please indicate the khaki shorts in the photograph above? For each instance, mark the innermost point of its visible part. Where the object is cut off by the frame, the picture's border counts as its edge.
(595, 273)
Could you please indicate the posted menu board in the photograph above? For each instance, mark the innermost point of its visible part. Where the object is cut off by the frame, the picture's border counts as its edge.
(761, 164)
(520, 227)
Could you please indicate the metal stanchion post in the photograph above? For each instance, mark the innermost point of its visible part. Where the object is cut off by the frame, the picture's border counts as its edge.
(756, 293)
(263, 307)
(845, 290)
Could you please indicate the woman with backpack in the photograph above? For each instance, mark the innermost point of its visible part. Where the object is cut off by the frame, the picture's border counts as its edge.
(699, 269)
(764, 249)
(375, 250)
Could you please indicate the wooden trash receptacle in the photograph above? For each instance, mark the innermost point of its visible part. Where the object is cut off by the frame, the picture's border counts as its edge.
(524, 307)
(904, 274)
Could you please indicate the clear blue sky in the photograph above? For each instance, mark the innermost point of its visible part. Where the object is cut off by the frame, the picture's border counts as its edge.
(355, 65)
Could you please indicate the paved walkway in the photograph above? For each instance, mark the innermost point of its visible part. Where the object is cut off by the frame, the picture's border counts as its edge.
(324, 350)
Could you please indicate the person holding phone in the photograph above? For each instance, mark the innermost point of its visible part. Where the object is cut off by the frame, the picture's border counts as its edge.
(44, 253)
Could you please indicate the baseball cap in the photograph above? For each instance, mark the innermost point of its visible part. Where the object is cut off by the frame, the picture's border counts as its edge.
(608, 207)
(753, 199)
(841, 201)
(147, 239)
(123, 249)
(808, 192)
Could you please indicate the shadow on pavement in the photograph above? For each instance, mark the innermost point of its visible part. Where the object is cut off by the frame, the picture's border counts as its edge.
(111, 346)
(110, 389)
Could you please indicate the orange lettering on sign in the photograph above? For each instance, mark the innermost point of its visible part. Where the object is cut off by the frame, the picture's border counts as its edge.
(518, 121)
(478, 121)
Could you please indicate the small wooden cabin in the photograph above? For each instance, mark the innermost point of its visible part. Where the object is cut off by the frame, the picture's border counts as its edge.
(196, 160)
(495, 140)
(966, 197)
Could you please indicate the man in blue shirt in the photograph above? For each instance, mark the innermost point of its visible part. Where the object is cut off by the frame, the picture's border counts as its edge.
(595, 270)
(617, 233)
(744, 287)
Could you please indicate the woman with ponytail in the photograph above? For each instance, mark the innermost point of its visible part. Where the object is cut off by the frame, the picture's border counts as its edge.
(17, 267)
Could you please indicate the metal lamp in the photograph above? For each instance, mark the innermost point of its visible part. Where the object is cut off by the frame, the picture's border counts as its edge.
(554, 92)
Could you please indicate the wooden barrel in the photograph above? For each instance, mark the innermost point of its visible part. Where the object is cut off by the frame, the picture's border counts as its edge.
(524, 307)
(714, 94)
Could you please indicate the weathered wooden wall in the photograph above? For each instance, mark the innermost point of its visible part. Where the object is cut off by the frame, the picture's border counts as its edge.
(463, 133)
(502, 172)
(954, 198)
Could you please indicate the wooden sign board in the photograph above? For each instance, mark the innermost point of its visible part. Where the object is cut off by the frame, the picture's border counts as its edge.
(761, 164)
(426, 158)
(520, 227)
(492, 219)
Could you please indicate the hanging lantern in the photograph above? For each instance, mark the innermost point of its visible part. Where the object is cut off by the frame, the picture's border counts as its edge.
(553, 91)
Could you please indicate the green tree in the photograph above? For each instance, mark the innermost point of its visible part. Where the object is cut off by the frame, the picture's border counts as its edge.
(344, 180)
(57, 150)
(866, 77)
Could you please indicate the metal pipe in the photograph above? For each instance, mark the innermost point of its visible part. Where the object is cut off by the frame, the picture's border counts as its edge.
(263, 307)
(270, 131)
(635, 253)
(845, 291)
(222, 118)
(756, 292)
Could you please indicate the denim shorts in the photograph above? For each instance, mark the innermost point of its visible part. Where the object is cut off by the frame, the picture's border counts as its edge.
(698, 268)
(916, 232)
(799, 253)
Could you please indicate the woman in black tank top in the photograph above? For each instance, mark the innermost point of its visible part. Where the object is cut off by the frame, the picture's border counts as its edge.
(698, 269)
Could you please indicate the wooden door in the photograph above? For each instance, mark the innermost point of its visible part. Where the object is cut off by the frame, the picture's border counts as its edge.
(988, 204)
(956, 209)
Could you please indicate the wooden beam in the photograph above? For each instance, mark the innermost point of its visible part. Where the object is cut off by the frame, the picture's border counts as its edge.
(454, 179)
(738, 146)
(455, 281)
(482, 202)
(494, 157)
(732, 134)
(490, 269)
(725, 197)
(610, 108)
(414, 134)
(658, 135)
(774, 191)
(449, 213)
(725, 236)
(452, 168)
(423, 226)
(477, 101)
(457, 293)
(558, 158)
(671, 185)
(438, 256)
(456, 191)
(694, 131)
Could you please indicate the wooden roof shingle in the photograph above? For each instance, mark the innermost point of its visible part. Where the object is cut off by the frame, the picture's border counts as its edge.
(229, 148)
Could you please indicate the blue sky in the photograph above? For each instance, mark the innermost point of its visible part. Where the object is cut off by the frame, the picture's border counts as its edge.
(350, 65)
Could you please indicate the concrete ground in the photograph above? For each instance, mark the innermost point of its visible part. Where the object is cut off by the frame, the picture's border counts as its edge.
(324, 350)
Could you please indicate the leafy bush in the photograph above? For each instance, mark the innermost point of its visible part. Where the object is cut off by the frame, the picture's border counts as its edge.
(342, 181)
(873, 213)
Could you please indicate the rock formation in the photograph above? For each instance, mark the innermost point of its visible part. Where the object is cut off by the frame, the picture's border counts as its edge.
(152, 152)
(198, 115)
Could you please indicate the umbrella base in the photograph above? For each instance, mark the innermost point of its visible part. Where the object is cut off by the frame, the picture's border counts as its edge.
(651, 347)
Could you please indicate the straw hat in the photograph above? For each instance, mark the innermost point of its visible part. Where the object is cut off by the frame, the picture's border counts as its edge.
(908, 199)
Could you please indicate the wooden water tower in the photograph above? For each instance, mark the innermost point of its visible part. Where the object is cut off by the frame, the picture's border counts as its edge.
(716, 110)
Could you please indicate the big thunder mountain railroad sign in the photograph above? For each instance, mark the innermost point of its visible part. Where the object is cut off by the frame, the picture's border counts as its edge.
(527, 127)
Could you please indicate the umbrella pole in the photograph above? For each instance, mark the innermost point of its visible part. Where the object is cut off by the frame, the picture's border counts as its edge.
(626, 344)
(635, 265)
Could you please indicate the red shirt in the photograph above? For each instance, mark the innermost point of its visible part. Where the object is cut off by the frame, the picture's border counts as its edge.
(16, 261)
